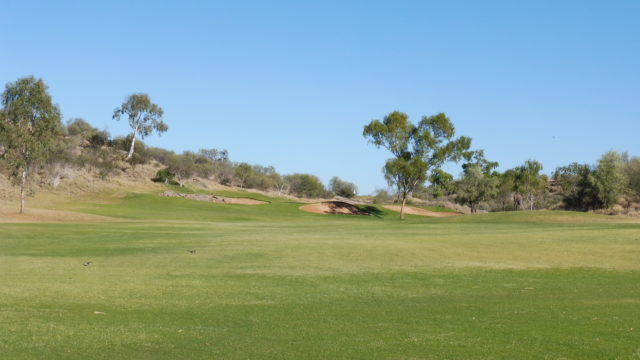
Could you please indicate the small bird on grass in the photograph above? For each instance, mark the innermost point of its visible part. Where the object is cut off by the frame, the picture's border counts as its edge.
(191, 251)
(87, 263)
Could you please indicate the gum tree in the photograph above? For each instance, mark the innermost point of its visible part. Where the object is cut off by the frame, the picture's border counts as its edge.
(144, 117)
(29, 125)
(479, 182)
(417, 150)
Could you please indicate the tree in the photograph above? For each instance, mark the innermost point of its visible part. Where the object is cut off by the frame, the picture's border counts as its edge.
(441, 183)
(609, 178)
(475, 186)
(579, 191)
(182, 166)
(29, 124)
(305, 185)
(478, 182)
(214, 155)
(504, 195)
(528, 182)
(144, 117)
(242, 172)
(342, 188)
(632, 173)
(417, 149)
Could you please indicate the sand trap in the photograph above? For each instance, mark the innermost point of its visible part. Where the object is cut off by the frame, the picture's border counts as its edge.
(215, 198)
(334, 207)
(421, 212)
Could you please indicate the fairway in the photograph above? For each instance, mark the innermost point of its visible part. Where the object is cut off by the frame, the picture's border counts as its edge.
(179, 279)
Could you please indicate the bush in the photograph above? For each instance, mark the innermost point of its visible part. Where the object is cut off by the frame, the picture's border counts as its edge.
(382, 197)
(305, 185)
(141, 155)
(99, 139)
(342, 188)
(101, 159)
(165, 176)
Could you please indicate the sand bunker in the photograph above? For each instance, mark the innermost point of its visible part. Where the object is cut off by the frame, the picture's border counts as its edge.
(215, 198)
(334, 207)
(421, 212)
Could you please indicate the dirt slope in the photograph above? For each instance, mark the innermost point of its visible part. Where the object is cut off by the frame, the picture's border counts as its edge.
(421, 212)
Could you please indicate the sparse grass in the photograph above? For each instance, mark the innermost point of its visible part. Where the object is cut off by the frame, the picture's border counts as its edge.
(272, 282)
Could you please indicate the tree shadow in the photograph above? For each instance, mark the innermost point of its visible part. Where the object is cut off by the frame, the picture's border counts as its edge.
(372, 210)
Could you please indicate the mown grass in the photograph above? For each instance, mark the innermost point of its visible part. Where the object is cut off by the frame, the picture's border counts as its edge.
(272, 282)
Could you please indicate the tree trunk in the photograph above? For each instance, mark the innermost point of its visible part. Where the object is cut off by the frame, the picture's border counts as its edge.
(404, 199)
(23, 184)
(133, 143)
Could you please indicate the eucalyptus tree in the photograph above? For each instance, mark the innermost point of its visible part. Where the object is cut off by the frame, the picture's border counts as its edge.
(418, 150)
(528, 182)
(144, 117)
(478, 182)
(29, 125)
(579, 191)
(610, 178)
(342, 188)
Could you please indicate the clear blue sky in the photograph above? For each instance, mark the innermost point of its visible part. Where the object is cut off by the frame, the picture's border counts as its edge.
(291, 84)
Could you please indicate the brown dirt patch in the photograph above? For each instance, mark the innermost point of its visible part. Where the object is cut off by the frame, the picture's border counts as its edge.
(420, 212)
(41, 215)
(334, 207)
(215, 198)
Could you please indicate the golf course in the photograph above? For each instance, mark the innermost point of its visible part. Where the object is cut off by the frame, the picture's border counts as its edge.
(141, 276)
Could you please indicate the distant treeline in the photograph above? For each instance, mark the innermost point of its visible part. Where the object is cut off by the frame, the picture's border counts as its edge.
(34, 141)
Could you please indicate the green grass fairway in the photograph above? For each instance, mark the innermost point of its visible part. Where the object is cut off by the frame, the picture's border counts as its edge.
(272, 282)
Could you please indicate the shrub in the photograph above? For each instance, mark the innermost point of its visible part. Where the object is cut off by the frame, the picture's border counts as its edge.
(165, 176)
(342, 188)
(306, 185)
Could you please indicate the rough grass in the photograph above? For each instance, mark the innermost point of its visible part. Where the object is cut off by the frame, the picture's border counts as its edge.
(272, 282)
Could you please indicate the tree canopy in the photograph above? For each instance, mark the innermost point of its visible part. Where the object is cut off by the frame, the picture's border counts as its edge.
(417, 149)
(144, 117)
(29, 125)
(478, 182)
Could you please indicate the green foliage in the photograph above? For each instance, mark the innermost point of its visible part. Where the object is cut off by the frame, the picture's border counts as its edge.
(160, 155)
(242, 172)
(342, 188)
(477, 184)
(263, 178)
(382, 196)
(144, 117)
(29, 126)
(442, 183)
(610, 179)
(124, 143)
(579, 190)
(214, 155)
(417, 149)
(79, 127)
(305, 185)
(528, 182)
(183, 166)
(165, 176)
(504, 197)
(632, 173)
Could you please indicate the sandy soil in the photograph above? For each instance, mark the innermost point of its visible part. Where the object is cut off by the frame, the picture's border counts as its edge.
(421, 212)
(40, 215)
(333, 207)
(215, 198)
